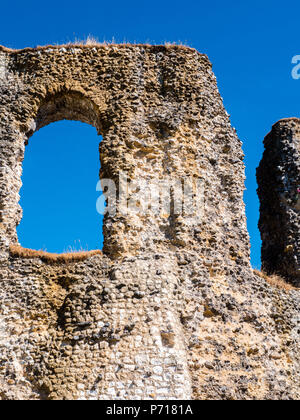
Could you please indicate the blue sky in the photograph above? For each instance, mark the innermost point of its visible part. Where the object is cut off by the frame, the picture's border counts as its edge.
(251, 45)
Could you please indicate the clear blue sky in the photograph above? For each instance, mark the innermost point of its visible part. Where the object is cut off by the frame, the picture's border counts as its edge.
(250, 43)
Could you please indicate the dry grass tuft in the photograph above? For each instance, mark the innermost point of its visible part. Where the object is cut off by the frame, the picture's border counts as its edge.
(94, 41)
(19, 251)
(275, 281)
(91, 42)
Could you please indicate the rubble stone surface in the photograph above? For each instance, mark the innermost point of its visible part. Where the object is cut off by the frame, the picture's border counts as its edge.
(171, 310)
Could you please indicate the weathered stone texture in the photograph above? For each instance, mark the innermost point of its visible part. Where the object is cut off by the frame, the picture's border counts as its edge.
(171, 309)
(279, 191)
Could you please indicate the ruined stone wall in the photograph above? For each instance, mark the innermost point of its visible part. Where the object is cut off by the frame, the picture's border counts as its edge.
(278, 178)
(171, 309)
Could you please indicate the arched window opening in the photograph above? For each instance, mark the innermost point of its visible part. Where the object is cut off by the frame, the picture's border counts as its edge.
(58, 197)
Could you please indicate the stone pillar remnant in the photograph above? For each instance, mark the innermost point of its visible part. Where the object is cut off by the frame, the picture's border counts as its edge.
(278, 177)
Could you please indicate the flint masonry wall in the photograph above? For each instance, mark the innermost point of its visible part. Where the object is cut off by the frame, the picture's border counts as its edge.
(279, 191)
(171, 309)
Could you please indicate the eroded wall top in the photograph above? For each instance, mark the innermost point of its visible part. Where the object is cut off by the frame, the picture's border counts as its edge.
(161, 116)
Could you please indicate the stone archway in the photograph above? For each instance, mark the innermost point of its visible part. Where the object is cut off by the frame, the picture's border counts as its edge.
(65, 105)
(72, 106)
